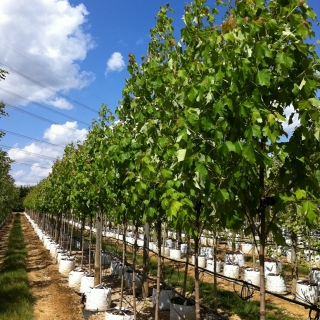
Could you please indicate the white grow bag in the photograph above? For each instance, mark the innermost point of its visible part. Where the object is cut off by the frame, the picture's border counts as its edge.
(175, 253)
(271, 267)
(112, 314)
(164, 300)
(202, 261)
(247, 248)
(75, 277)
(238, 258)
(276, 283)
(307, 292)
(231, 270)
(87, 282)
(66, 266)
(98, 299)
(252, 276)
(167, 251)
(315, 276)
(184, 248)
(115, 268)
(210, 265)
(182, 311)
(128, 277)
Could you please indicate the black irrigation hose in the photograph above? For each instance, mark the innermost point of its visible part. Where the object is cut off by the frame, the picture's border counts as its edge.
(244, 283)
(223, 277)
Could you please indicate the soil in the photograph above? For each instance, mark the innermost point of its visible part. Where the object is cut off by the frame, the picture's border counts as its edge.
(55, 300)
(4, 237)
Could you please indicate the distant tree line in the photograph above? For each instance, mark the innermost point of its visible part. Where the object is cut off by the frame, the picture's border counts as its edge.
(22, 192)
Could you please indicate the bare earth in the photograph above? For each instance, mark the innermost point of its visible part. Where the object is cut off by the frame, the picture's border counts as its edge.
(55, 300)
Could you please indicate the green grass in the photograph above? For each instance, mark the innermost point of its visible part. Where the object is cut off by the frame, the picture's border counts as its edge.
(15, 295)
(227, 300)
(302, 270)
(249, 310)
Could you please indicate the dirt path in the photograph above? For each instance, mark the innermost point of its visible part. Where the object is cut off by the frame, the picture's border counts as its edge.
(54, 299)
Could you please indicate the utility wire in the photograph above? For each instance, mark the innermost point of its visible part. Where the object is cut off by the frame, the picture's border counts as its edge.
(34, 139)
(38, 64)
(27, 152)
(42, 106)
(36, 116)
(29, 165)
(47, 87)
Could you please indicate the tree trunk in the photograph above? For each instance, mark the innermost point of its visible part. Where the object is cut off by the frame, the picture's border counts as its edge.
(134, 272)
(196, 277)
(97, 257)
(261, 264)
(215, 285)
(145, 288)
(123, 265)
(294, 263)
(82, 239)
(90, 243)
(262, 240)
(58, 228)
(159, 270)
(185, 277)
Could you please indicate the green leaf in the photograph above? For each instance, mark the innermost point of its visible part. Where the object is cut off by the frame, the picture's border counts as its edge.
(201, 169)
(303, 82)
(230, 146)
(181, 154)
(300, 194)
(248, 153)
(174, 208)
(222, 195)
(263, 77)
(308, 209)
(314, 102)
(317, 134)
(165, 173)
(285, 59)
(303, 105)
(192, 94)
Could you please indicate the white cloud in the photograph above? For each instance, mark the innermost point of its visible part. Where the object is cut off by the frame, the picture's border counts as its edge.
(49, 32)
(62, 135)
(18, 174)
(41, 156)
(139, 41)
(295, 120)
(115, 63)
(60, 103)
(122, 43)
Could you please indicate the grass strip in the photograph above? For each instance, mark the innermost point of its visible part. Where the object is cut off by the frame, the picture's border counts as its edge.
(15, 295)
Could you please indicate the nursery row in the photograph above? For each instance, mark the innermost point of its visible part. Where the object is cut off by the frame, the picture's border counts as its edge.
(231, 264)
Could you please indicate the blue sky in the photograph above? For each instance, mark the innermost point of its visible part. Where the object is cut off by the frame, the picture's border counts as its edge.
(70, 57)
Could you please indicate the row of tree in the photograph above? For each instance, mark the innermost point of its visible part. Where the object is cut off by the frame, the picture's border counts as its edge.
(201, 139)
(8, 192)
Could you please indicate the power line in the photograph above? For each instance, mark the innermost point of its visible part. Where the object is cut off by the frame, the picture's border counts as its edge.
(38, 117)
(26, 137)
(29, 165)
(42, 106)
(38, 64)
(27, 152)
(48, 88)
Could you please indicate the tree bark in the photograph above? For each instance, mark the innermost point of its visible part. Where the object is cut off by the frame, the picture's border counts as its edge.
(97, 257)
(145, 287)
(294, 263)
(159, 270)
